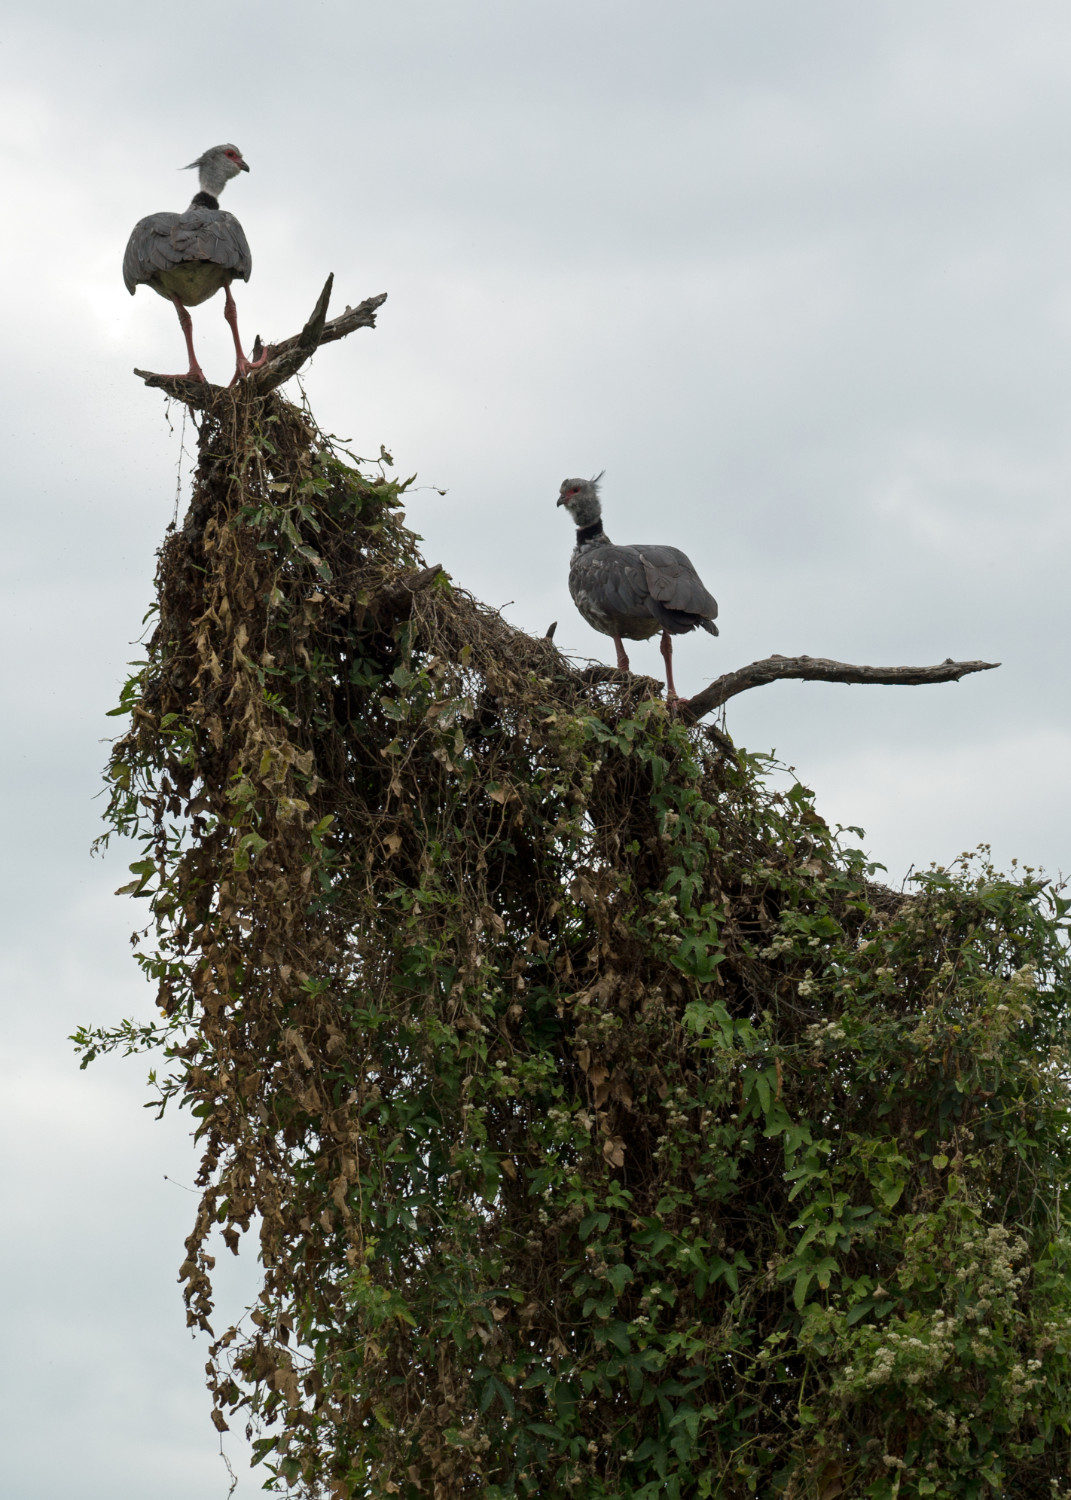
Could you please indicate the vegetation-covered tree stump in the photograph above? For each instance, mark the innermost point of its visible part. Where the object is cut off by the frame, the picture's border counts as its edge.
(606, 1129)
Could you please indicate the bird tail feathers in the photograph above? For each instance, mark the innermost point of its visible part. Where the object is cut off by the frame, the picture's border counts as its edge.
(678, 621)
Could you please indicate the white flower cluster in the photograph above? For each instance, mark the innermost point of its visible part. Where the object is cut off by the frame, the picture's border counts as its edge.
(995, 1256)
(904, 1355)
(827, 1033)
(675, 1117)
(915, 1351)
(664, 913)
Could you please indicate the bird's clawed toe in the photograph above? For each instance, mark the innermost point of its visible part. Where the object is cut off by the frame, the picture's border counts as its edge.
(247, 366)
(193, 373)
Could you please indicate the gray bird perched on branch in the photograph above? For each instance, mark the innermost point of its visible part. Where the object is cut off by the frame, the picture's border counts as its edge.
(187, 257)
(632, 592)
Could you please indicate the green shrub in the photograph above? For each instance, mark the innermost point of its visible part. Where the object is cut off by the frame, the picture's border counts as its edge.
(607, 1129)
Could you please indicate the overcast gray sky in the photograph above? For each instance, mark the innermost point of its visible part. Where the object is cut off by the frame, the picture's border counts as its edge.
(796, 273)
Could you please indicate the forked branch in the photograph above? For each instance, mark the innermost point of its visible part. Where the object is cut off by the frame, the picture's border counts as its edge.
(283, 359)
(820, 669)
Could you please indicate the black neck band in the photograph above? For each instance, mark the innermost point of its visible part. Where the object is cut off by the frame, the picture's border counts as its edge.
(588, 533)
(205, 200)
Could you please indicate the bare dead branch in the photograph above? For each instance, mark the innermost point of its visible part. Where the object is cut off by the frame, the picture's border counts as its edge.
(820, 669)
(361, 316)
(284, 359)
(190, 392)
(280, 364)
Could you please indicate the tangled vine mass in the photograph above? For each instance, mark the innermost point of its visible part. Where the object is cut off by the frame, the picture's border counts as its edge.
(603, 1127)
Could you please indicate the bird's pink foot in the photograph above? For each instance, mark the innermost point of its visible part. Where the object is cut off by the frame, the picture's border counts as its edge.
(247, 366)
(193, 373)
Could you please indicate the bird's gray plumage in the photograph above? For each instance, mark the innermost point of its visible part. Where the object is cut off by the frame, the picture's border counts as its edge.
(192, 254)
(209, 241)
(631, 592)
(188, 257)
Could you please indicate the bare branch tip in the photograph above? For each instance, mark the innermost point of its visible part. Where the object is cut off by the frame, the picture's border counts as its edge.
(819, 669)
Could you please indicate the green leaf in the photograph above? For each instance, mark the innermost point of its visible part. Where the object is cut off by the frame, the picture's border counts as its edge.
(799, 1291)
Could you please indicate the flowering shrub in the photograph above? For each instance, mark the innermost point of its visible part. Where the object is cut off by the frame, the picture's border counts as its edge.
(608, 1131)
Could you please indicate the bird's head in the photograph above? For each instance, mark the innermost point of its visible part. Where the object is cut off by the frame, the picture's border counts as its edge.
(581, 499)
(217, 166)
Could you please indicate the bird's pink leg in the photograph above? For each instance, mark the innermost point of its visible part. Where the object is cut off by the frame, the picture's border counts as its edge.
(622, 659)
(667, 656)
(230, 312)
(195, 372)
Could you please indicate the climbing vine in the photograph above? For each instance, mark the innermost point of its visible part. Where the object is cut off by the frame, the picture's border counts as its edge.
(604, 1128)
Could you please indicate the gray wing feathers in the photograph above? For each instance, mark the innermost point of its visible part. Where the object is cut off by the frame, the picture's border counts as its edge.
(673, 581)
(617, 580)
(164, 240)
(149, 249)
(635, 591)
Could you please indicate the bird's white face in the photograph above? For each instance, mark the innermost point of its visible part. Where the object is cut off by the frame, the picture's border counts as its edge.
(233, 159)
(218, 165)
(225, 161)
(581, 499)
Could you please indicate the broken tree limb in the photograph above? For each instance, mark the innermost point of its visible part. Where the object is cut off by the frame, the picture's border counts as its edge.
(361, 316)
(284, 359)
(279, 362)
(820, 669)
(191, 393)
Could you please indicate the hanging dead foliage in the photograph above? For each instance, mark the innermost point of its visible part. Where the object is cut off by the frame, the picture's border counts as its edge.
(605, 1129)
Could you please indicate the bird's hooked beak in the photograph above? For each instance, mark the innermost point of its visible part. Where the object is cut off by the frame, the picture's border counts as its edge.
(243, 164)
(561, 499)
